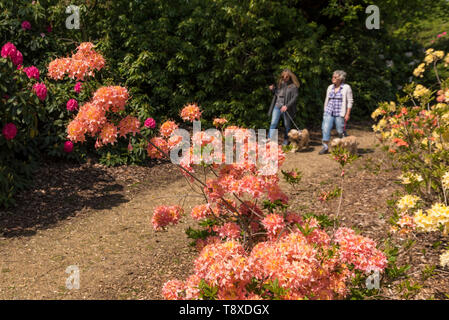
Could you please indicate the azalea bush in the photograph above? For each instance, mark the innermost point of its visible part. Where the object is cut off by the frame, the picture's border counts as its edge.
(91, 117)
(251, 246)
(415, 131)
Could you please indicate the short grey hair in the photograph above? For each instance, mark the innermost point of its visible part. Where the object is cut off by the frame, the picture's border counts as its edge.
(341, 74)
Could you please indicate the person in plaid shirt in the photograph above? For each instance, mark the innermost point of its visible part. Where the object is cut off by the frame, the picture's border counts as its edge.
(337, 108)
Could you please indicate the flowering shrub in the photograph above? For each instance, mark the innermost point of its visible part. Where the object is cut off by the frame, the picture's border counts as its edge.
(416, 133)
(20, 113)
(251, 246)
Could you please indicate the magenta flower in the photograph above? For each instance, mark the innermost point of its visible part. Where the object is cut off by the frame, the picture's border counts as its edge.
(49, 29)
(68, 146)
(77, 87)
(32, 72)
(8, 50)
(72, 105)
(41, 91)
(26, 25)
(444, 33)
(9, 131)
(18, 58)
(150, 123)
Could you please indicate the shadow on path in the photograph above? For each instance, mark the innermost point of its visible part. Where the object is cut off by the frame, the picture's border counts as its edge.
(60, 191)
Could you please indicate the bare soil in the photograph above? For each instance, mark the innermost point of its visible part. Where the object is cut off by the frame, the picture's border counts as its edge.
(98, 219)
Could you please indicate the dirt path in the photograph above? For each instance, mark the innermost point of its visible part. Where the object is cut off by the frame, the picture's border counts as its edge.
(107, 233)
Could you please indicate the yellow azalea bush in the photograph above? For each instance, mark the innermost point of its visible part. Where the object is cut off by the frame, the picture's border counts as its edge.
(415, 131)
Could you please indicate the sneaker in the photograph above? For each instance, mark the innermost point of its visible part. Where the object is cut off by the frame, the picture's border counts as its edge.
(345, 134)
(324, 151)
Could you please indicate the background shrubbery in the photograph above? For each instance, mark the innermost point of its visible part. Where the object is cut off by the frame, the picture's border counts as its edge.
(221, 54)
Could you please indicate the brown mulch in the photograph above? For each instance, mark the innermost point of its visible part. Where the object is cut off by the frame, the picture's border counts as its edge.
(98, 218)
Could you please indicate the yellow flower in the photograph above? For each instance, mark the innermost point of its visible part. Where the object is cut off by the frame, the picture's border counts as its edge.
(420, 91)
(392, 106)
(419, 70)
(409, 177)
(407, 202)
(446, 60)
(376, 113)
(439, 106)
(439, 54)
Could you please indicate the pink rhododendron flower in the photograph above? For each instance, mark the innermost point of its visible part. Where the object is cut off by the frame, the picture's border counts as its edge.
(68, 146)
(77, 87)
(32, 72)
(150, 123)
(26, 25)
(9, 50)
(41, 90)
(72, 105)
(9, 131)
(49, 29)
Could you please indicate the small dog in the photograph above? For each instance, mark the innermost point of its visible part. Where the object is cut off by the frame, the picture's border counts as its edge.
(349, 143)
(298, 139)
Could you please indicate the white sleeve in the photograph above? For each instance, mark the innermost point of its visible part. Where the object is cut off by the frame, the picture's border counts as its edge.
(350, 97)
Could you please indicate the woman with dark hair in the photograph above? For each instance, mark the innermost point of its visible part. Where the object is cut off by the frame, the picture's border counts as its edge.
(283, 102)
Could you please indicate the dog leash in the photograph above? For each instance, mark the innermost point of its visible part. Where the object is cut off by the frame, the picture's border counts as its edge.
(292, 120)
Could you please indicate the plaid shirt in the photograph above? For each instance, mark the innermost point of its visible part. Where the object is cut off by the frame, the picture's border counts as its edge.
(335, 102)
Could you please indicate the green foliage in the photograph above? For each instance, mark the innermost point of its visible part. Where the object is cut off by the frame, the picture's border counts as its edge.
(207, 292)
(323, 219)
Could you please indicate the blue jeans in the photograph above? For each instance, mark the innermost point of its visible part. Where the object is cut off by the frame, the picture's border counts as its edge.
(328, 123)
(275, 118)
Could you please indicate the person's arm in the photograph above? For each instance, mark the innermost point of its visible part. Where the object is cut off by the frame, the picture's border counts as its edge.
(292, 102)
(350, 98)
(326, 100)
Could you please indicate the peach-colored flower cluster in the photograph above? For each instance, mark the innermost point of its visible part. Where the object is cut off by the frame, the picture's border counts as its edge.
(112, 98)
(160, 143)
(167, 128)
(229, 230)
(304, 269)
(247, 251)
(165, 215)
(80, 65)
(92, 118)
(219, 122)
(129, 124)
(360, 251)
(273, 223)
(191, 112)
